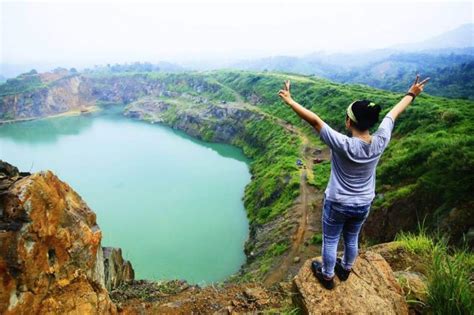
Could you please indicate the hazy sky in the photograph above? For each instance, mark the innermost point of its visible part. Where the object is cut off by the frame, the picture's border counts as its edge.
(118, 31)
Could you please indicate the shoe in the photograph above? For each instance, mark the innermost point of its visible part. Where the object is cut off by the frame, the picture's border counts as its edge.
(341, 272)
(316, 267)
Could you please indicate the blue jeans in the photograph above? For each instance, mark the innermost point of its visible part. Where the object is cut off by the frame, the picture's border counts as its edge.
(347, 219)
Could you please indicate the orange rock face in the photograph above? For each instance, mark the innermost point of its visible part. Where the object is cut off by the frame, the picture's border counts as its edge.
(51, 260)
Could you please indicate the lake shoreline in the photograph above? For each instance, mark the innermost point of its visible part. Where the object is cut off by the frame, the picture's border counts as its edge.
(116, 186)
(72, 112)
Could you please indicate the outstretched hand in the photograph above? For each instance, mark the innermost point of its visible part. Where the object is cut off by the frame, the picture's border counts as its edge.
(417, 87)
(285, 93)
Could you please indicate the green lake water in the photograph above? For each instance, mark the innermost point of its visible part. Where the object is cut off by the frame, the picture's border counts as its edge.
(172, 203)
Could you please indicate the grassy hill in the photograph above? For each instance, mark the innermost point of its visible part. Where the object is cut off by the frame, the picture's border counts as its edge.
(426, 172)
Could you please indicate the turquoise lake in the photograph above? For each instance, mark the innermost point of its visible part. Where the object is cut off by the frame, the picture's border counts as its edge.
(172, 203)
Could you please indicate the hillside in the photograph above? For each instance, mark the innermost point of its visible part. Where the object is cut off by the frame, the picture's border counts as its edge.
(426, 173)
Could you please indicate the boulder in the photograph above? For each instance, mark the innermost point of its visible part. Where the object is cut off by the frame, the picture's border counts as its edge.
(371, 288)
(51, 259)
(401, 259)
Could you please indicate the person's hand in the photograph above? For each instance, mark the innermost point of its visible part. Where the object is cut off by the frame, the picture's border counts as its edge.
(285, 93)
(417, 87)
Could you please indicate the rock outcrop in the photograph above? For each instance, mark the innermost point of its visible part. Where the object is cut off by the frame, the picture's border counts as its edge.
(411, 270)
(203, 120)
(116, 269)
(370, 289)
(51, 259)
(401, 259)
(57, 93)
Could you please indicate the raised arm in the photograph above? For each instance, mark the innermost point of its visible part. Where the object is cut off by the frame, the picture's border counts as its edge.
(413, 92)
(304, 113)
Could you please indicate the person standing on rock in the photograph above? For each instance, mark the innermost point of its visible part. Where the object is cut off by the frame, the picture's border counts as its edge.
(351, 187)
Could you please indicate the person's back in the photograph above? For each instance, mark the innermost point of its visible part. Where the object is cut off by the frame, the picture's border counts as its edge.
(351, 186)
(353, 163)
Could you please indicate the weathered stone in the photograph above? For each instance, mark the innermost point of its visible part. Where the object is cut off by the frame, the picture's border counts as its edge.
(370, 289)
(8, 170)
(116, 269)
(401, 259)
(52, 263)
(257, 295)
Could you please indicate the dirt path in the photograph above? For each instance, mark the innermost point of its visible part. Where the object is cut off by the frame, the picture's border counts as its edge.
(302, 207)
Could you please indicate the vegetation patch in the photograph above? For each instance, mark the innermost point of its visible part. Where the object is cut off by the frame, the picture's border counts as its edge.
(429, 162)
(450, 273)
(316, 239)
(24, 83)
(418, 243)
(321, 173)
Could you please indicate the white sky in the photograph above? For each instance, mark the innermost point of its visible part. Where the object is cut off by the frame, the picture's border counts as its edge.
(119, 31)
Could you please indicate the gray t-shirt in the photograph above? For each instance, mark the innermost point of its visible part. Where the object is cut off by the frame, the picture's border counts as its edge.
(353, 163)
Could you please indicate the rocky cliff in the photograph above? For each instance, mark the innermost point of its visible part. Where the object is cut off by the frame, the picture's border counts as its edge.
(55, 93)
(51, 259)
(203, 119)
(33, 95)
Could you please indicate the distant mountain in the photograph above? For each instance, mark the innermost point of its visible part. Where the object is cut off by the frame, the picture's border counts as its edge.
(451, 70)
(451, 75)
(460, 37)
(448, 58)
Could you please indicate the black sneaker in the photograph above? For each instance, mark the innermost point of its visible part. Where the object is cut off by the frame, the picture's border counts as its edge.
(316, 267)
(341, 272)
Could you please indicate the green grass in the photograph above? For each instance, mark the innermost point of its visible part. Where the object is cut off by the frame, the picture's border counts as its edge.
(22, 84)
(266, 261)
(316, 239)
(418, 243)
(277, 249)
(321, 175)
(276, 177)
(450, 284)
(450, 273)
